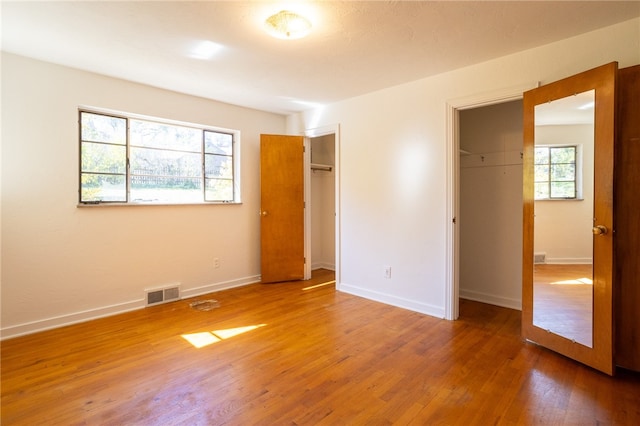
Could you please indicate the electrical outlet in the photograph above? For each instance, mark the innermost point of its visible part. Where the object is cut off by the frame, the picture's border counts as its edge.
(387, 271)
(216, 262)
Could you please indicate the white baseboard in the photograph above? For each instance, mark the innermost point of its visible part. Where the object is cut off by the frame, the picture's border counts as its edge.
(105, 311)
(68, 319)
(412, 305)
(491, 299)
(323, 265)
(569, 261)
(225, 285)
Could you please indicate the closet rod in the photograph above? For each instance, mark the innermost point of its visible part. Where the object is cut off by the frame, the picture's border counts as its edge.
(320, 167)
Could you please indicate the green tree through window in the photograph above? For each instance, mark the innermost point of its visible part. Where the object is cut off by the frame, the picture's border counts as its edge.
(147, 161)
(555, 172)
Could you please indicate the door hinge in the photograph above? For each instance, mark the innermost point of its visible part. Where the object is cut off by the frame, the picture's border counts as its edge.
(454, 220)
(304, 260)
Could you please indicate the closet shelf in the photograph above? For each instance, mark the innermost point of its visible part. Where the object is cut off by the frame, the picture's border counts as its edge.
(323, 167)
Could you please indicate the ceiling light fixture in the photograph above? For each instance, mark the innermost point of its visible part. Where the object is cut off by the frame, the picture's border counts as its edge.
(287, 25)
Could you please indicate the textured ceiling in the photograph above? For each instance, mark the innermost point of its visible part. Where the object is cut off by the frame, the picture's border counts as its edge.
(355, 46)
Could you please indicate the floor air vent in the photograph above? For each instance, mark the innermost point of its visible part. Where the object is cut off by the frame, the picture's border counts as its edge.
(539, 258)
(163, 295)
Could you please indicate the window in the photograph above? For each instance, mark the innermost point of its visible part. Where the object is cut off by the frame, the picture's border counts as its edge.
(135, 160)
(556, 174)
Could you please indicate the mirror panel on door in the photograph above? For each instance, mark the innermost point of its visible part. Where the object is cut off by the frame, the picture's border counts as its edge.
(563, 211)
(577, 168)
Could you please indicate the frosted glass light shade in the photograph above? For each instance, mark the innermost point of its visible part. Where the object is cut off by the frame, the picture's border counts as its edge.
(287, 25)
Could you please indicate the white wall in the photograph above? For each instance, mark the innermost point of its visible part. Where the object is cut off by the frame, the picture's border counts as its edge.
(562, 229)
(490, 218)
(61, 263)
(393, 173)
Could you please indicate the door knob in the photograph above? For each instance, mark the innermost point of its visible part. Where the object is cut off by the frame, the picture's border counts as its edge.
(263, 213)
(600, 230)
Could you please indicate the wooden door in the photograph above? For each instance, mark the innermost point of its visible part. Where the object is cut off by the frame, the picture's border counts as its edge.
(627, 242)
(282, 208)
(599, 354)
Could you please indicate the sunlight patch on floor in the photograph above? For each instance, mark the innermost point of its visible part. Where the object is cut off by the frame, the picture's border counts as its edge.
(319, 285)
(207, 338)
(576, 281)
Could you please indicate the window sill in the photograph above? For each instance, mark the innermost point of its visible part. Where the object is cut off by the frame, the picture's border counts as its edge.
(559, 199)
(99, 205)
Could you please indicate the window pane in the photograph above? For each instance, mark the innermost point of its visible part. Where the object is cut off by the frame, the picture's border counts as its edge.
(542, 173)
(565, 154)
(555, 172)
(218, 166)
(218, 143)
(158, 135)
(159, 189)
(147, 160)
(541, 190)
(563, 172)
(103, 158)
(563, 190)
(156, 162)
(542, 155)
(102, 188)
(219, 190)
(103, 128)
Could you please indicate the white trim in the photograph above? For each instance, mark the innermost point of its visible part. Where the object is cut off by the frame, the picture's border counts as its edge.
(74, 318)
(568, 261)
(412, 305)
(452, 185)
(307, 207)
(452, 237)
(323, 265)
(491, 299)
(106, 311)
(312, 133)
(224, 285)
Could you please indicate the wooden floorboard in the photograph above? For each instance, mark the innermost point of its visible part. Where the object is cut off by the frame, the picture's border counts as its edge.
(307, 357)
(563, 300)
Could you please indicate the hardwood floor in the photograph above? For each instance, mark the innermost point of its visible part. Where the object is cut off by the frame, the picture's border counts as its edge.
(563, 300)
(288, 354)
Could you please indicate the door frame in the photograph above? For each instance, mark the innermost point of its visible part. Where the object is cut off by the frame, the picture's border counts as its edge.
(333, 129)
(453, 106)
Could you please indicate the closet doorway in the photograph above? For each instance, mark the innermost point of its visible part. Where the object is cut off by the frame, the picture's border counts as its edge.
(490, 204)
(322, 202)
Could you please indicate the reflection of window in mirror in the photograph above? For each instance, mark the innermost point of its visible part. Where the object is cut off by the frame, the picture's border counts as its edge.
(564, 130)
(557, 172)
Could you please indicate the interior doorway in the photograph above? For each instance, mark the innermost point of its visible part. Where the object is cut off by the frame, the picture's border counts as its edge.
(322, 206)
(322, 248)
(452, 230)
(490, 204)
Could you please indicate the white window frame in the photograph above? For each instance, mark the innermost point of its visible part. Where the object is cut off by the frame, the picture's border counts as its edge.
(235, 159)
